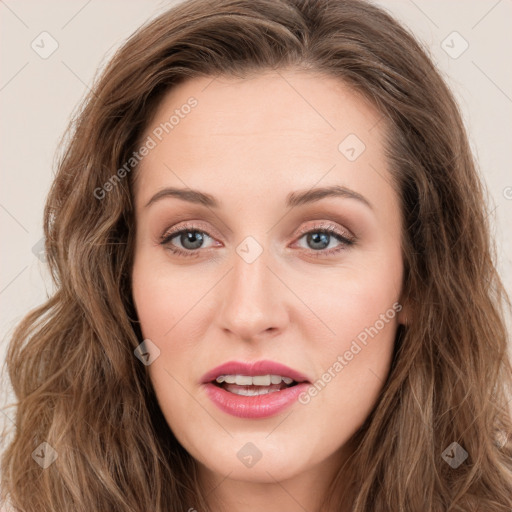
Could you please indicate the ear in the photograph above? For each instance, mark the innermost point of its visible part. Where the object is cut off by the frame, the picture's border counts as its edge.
(404, 316)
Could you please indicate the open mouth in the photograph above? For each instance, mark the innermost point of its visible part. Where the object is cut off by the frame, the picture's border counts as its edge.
(260, 389)
(256, 385)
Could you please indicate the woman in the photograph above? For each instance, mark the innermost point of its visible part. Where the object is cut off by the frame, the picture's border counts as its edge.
(276, 288)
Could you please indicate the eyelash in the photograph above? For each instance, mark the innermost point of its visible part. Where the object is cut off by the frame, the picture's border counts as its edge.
(346, 241)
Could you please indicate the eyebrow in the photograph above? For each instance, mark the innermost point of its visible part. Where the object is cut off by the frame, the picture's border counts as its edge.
(315, 194)
(293, 199)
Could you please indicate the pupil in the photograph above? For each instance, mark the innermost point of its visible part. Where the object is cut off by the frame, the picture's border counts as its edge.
(193, 237)
(319, 238)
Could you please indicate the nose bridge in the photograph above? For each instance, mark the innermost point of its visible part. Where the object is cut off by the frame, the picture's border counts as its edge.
(253, 299)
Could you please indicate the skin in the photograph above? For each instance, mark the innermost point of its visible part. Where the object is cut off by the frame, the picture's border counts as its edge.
(249, 143)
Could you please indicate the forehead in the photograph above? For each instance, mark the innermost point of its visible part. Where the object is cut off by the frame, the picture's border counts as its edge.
(263, 133)
(271, 105)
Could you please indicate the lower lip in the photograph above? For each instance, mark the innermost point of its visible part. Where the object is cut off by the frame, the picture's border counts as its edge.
(259, 406)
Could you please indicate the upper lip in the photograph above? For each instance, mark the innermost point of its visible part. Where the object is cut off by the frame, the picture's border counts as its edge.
(251, 369)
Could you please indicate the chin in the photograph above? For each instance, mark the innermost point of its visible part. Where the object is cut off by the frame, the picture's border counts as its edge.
(252, 458)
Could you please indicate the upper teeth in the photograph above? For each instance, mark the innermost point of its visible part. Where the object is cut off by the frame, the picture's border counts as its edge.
(256, 380)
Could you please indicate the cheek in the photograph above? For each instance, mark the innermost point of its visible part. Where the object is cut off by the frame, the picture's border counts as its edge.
(164, 296)
(169, 302)
(359, 301)
(360, 325)
(162, 301)
(359, 309)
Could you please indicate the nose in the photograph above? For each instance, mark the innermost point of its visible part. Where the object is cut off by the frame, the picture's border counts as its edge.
(254, 300)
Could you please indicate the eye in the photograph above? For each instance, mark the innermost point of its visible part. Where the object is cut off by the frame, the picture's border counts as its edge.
(190, 238)
(325, 240)
(321, 240)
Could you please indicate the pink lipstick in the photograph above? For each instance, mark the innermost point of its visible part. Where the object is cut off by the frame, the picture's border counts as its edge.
(254, 390)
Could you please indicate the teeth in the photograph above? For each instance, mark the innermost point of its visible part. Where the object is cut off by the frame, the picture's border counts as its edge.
(252, 392)
(262, 380)
(242, 380)
(256, 380)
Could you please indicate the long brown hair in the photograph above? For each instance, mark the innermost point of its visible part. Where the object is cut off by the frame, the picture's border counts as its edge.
(79, 387)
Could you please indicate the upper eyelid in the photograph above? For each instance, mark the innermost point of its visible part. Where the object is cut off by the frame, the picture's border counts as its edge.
(170, 233)
(174, 230)
(329, 226)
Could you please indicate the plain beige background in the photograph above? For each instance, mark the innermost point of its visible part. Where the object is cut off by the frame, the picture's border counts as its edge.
(38, 95)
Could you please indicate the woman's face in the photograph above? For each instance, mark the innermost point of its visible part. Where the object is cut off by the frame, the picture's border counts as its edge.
(255, 173)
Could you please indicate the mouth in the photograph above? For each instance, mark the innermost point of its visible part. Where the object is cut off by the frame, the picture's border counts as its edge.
(246, 385)
(254, 390)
